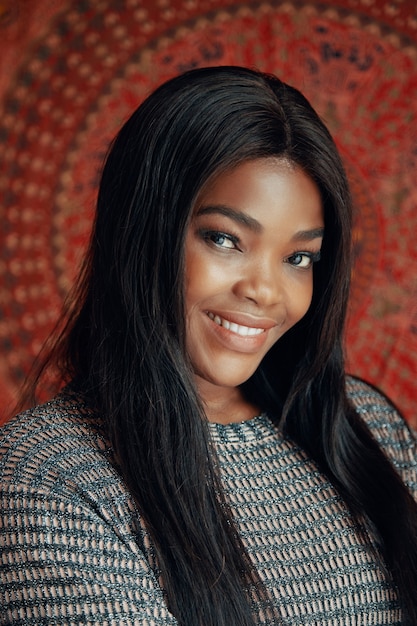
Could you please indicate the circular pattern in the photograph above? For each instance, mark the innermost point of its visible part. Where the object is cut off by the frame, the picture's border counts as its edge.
(89, 74)
(9, 12)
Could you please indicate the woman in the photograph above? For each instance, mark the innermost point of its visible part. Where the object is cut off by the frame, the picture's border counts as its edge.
(209, 464)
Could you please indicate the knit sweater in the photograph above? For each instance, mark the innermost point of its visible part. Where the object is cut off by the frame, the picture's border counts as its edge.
(74, 550)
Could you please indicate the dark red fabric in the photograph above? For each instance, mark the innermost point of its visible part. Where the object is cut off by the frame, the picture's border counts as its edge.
(71, 74)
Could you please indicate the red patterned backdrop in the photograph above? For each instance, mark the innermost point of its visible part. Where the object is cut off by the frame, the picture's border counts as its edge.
(72, 71)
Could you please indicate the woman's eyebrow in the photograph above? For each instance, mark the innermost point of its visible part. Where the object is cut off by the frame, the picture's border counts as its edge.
(233, 214)
(309, 235)
(252, 224)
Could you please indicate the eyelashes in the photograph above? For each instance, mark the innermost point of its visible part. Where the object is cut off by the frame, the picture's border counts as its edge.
(299, 259)
(304, 260)
(220, 239)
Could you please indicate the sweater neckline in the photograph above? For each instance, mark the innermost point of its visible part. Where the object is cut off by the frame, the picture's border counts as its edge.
(257, 428)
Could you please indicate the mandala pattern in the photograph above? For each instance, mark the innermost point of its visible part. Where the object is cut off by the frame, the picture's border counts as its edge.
(98, 62)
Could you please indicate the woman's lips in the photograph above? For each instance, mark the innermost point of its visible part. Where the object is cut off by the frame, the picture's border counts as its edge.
(239, 329)
(240, 332)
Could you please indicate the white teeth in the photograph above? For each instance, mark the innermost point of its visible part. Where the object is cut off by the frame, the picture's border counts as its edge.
(244, 331)
(254, 331)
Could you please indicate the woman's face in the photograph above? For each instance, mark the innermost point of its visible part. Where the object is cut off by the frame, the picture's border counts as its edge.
(254, 235)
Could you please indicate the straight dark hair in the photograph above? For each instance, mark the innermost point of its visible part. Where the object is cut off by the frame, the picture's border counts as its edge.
(124, 341)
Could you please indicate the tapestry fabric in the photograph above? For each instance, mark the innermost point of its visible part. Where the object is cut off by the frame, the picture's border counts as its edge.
(72, 72)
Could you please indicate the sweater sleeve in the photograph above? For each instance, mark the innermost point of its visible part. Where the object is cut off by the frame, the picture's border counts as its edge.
(61, 563)
(73, 549)
(389, 428)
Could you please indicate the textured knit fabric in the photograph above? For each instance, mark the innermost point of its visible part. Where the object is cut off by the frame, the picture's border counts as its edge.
(73, 550)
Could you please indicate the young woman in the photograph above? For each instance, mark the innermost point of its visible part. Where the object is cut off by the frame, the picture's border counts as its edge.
(208, 463)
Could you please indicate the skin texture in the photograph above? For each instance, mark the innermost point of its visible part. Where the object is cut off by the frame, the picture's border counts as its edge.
(253, 237)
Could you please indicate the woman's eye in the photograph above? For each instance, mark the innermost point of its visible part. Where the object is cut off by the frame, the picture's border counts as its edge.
(303, 260)
(222, 240)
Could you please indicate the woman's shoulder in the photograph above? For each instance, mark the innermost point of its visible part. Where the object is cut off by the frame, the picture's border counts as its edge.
(69, 527)
(381, 415)
(53, 445)
(388, 427)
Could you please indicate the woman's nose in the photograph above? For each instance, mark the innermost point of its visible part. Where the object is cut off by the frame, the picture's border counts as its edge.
(262, 283)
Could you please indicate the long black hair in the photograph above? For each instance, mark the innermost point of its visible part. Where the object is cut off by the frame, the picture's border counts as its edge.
(124, 343)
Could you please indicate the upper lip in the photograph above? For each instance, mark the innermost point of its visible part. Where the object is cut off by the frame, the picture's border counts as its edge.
(245, 319)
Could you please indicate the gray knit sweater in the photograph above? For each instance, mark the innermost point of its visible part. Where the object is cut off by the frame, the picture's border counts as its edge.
(74, 551)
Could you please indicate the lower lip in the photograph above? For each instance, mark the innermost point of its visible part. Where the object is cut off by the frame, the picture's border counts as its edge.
(238, 343)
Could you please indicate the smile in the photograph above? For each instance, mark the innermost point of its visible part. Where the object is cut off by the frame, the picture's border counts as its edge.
(243, 331)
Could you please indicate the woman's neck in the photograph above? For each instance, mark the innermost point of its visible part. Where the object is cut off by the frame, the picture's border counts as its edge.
(224, 405)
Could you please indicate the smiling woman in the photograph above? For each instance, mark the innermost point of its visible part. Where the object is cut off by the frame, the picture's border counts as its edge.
(207, 461)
